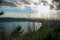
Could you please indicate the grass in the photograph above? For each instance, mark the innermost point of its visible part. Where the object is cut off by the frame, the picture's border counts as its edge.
(51, 32)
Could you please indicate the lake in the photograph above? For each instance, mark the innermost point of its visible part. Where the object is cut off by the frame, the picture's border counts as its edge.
(10, 26)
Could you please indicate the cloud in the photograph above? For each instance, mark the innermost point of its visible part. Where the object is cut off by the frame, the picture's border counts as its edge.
(54, 4)
(10, 4)
(29, 2)
(25, 1)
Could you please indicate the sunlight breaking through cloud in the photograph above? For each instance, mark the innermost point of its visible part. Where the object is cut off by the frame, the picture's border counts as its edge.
(40, 8)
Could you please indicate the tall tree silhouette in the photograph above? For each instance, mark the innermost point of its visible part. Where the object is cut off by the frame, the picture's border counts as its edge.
(1, 1)
(1, 13)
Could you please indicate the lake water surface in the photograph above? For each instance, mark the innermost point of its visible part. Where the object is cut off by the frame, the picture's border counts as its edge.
(10, 26)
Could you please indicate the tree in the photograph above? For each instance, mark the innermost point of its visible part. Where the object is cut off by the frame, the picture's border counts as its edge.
(1, 13)
(2, 35)
(16, 33)
(1, 1)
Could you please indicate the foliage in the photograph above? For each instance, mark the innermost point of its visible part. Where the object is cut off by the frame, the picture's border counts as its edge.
(51, 32)
(1, 13)
(1, 1)
(2, 35)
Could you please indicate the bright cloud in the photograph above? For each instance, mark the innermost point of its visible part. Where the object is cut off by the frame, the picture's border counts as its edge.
(37, 8)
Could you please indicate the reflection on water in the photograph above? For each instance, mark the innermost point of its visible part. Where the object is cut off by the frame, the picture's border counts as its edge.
(10, 26)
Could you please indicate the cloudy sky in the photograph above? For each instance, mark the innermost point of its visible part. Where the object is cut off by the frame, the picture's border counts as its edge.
(31, 8)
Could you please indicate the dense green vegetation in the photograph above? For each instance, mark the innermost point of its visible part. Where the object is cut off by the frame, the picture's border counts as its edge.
(51, 32)
(47, 32)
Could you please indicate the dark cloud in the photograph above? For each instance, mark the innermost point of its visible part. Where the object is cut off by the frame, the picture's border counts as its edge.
(30, 2)
(10, 4)
(56, 4)
(51, 6)
(25, 1)
(56, 1)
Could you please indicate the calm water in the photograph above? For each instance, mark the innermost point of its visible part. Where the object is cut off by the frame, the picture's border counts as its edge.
(10, 26)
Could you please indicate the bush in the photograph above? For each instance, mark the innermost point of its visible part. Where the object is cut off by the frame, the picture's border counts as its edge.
(46, 33)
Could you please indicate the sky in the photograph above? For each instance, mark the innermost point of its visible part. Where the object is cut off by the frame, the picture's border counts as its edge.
(46, 9)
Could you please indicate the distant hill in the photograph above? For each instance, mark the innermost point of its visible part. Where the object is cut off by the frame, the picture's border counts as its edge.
(8, 19)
